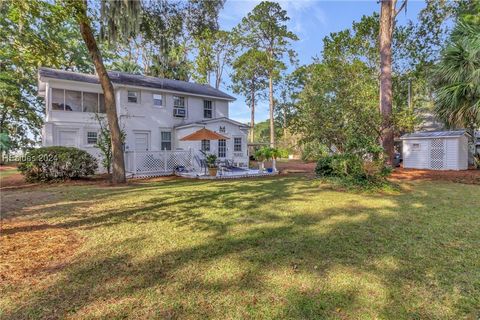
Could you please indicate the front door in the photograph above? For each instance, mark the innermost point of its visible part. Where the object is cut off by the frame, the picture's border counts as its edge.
(222, 148)
(142, 141)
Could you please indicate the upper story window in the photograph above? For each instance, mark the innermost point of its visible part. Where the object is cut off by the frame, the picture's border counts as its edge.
(157, 100)
(207, 109)
(71, 100)
(237, 144)
(132, 96)
(179, 107)
(222, 129)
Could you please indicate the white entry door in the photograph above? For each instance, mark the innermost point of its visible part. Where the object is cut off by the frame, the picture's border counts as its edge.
(67, 138)
(142, 141)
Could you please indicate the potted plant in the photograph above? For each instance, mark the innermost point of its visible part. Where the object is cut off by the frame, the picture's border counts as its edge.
(260, 157)
(211, 160)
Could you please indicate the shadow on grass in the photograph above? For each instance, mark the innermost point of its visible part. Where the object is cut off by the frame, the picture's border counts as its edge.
(322, 262)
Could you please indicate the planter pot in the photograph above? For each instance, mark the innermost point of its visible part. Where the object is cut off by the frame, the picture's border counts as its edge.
(212, 171)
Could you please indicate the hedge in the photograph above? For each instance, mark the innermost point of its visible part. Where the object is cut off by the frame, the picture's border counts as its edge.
(57, 163)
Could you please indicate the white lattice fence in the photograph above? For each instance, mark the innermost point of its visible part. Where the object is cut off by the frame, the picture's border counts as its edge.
(437, 153)
(157, 162)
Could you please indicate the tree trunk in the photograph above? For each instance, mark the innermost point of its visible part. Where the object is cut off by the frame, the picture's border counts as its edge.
(272, 124)
(252, 116)
(118, 164)
(386, 25)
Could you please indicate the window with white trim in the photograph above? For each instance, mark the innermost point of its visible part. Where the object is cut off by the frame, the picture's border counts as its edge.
(237, 144)
(92, 137)
(205, 145)
(157, 100)
(207, 109)
(221, 129)
(166, 140)
(179, 107)
(132, 96)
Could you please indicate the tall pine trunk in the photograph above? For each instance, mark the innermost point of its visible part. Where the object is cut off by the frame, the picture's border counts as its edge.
(386, 27)
(272, 124)
(118, 164)
(252, 116)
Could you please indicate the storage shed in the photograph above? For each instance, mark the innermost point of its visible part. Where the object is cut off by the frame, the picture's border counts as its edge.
(436, 150)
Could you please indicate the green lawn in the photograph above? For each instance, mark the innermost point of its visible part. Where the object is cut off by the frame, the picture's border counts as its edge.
(7, 173)
(284, 247)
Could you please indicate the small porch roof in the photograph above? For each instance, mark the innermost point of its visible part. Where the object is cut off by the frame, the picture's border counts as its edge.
(203, 134)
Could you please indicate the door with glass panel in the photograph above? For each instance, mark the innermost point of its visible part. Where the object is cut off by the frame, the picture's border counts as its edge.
(222, 148)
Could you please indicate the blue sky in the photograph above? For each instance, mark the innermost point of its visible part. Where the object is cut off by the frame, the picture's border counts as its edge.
(311, 20)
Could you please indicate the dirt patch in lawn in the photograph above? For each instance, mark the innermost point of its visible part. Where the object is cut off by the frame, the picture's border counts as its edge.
(34, 253)
(464, 176)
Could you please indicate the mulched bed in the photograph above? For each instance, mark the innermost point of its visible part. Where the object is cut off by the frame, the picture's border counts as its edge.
(464, 176)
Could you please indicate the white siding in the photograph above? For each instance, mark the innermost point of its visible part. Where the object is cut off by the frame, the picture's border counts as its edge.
(451, 154)
(418, 158)
(142, 116)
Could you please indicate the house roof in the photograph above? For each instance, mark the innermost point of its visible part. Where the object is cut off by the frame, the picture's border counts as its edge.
(139, 81)
(433, 134)
(204, 122)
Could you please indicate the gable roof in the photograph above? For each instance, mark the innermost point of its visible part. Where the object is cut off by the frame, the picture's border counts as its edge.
(434, 134)
(139, 81)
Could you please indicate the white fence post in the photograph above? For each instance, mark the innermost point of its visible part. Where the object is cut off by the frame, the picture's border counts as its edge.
(134, 162)
(165, 152)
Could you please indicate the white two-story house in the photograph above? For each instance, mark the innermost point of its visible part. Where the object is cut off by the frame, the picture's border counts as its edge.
(154, 113)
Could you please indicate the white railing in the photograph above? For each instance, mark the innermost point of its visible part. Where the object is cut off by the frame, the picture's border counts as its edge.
(161, 162)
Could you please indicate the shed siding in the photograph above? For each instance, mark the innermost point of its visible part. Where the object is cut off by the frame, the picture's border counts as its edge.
(451, 154)
(418, 158)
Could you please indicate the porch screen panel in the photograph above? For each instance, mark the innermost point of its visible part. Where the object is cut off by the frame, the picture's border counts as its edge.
(101, 103)
(73, 100)
(90, 102)
(58, 99)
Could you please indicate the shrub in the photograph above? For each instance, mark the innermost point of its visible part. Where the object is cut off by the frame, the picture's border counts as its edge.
(57, 163)
(352, 167)
(283, 153)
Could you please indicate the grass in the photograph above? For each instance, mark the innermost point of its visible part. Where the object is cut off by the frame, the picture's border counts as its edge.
(8, 172)
(285, 247)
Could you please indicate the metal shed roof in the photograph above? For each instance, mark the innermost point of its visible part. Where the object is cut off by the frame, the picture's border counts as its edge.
(434, 134)
(138, 80)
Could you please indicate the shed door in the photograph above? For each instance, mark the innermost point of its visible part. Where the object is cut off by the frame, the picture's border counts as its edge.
(141, 141)
(67, 138)
(437, 154)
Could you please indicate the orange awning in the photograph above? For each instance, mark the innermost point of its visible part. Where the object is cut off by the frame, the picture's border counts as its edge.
(203, 134)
